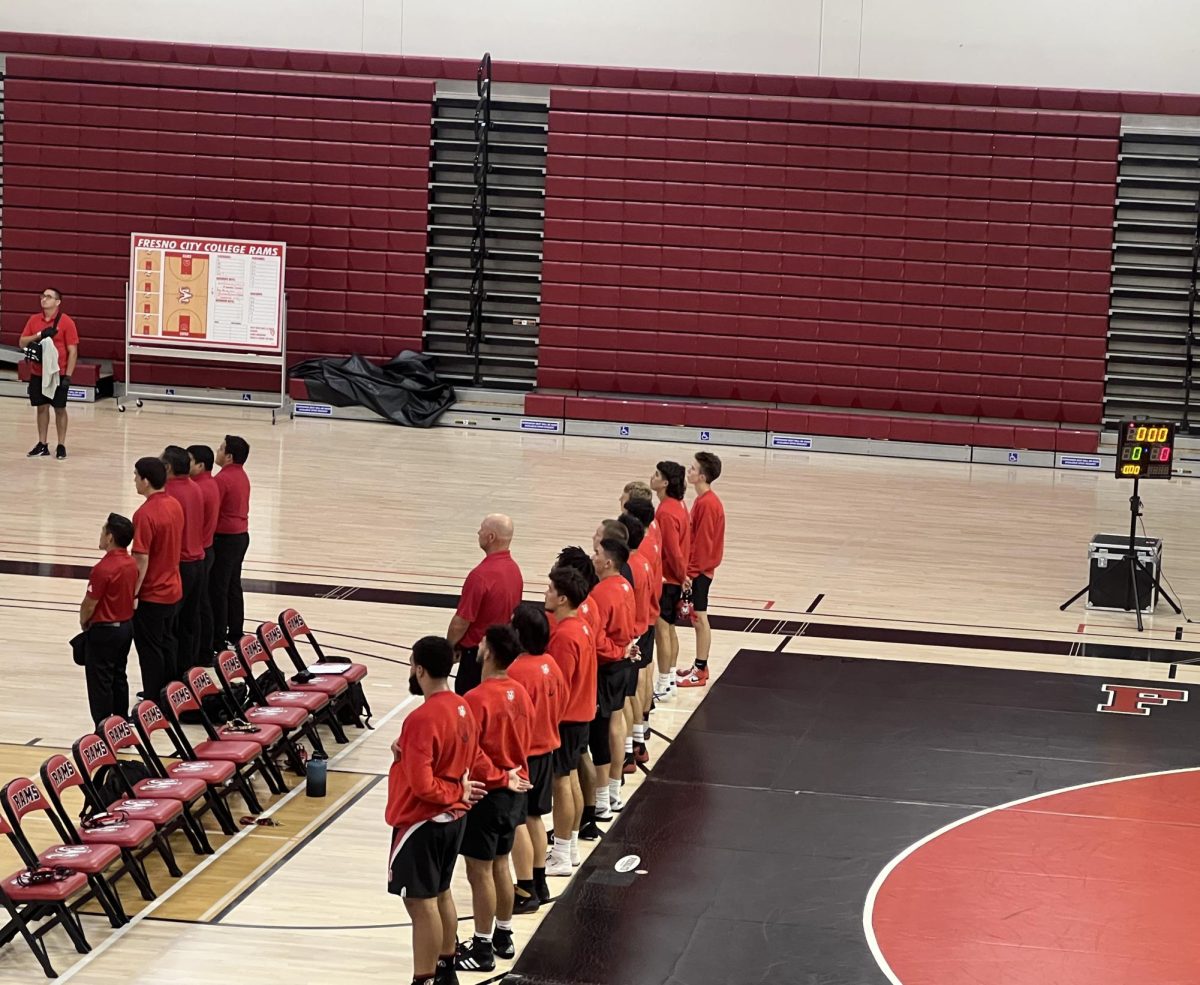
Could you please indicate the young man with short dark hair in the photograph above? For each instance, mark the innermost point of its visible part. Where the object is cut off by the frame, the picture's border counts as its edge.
(707, 551)
(201, 465)
(231, 540)
(536, 671)
(642, 572)
(676, 537)
(183, 490)
(55, 325)
(573, 647)
(429, 793)
(106, 618)
(505, 716)
(157, 542)
(643, 510)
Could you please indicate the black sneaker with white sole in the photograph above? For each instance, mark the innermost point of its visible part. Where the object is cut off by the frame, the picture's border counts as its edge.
(502, 944)
(474, 955)
(60, 452)
(40, 450)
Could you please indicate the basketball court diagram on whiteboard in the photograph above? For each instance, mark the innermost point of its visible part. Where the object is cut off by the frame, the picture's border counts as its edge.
(185, 296)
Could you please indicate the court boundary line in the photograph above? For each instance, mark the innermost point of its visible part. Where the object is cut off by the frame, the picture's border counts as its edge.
(119, 933)
(886, 871)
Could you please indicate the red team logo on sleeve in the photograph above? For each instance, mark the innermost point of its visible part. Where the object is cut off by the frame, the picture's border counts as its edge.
(1128, 699)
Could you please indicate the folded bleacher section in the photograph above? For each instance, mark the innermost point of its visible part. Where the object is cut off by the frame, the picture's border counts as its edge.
(334, 164)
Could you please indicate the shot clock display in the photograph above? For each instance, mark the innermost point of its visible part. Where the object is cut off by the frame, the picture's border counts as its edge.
(1145, 449)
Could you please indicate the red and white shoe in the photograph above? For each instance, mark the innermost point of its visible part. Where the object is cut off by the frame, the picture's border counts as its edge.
(684, 672)
(696, 678)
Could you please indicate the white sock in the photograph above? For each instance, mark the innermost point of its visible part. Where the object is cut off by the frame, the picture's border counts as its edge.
(601, 798)
(614, 790)
(484, 937)
(562, 847)
(574, 856)
(629, 746)
(639, 733)
(504, 925)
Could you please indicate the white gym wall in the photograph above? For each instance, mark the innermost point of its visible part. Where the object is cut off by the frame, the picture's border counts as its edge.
(1153, 45)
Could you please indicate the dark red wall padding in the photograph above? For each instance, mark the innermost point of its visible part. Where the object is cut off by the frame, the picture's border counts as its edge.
(334, 165)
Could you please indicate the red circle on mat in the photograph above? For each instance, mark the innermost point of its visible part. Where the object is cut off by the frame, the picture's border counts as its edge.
(1092, 886)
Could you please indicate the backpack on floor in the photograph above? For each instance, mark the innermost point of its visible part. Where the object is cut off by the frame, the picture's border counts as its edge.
(107, 780)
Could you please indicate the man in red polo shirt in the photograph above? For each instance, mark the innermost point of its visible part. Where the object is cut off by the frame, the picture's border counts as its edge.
(191, 558)
(489, 595)
(157, 542)
(106, 618)
(51, 323)
(707, 551)
(231, 539)
(201, 458)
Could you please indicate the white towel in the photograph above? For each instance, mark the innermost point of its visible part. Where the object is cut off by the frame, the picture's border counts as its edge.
(50, 368)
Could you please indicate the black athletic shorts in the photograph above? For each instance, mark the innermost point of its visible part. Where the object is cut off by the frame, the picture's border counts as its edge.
(39, 399)
(631, 677)
(423, 857)
(646, 648)
(700, 587)
(539, 799)
(491, 825)
(573, 740)
(610, 686)
(671, 595)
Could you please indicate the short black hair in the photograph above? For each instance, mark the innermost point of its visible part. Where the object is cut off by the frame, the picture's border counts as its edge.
(237, 448)
(617, 551)
(434, 655)
(152, 470)
(643, 509)
(676, 476)
(121, 529)
(55, 290)
(636, 531)
(532, 627)
(202, 455)
(503, 642)
(579, 560)
(175, 458)
(571, 584)
(710, 465)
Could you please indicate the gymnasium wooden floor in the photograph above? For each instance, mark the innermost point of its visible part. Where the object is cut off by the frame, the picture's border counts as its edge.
(369, 530)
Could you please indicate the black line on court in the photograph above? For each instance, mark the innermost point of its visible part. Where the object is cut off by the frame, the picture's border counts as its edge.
(1178, 632)
(1171, 671)
(784, 642)
(295, 849)
(812, 606)
(32, 742)
(665, 739)
(738, 624)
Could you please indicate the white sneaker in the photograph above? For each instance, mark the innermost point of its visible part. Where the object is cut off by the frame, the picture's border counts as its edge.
(615, 804)
(664, 695)
(575, 857)
(604, 814)
(556, 865)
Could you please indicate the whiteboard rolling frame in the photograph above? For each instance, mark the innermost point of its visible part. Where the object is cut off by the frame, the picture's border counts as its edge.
(243, 359)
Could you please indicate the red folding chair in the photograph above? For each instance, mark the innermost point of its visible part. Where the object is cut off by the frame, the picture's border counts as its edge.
(295, 630)
(286, 744)
(135, 839)
(188, 790)
(29, 904)
(255, 708)
(334, 686)
(92, 752)
(276, 691)
(247, 757)
(20, 797)
(221, 776)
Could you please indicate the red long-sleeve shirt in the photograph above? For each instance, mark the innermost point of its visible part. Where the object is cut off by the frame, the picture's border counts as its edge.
(547, 690)
(613, 599)
(676, 534)
(708, 535)
(573, 647)
(505, 716)
(652, 549)
(439, 742)
(643, 579)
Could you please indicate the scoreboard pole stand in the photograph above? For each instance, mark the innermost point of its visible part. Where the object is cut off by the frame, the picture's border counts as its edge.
(1133, 564)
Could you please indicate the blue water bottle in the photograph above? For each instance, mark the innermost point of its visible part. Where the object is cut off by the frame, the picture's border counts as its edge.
(314, 780)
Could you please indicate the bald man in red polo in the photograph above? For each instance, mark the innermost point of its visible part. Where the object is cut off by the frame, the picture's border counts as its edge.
(489, 595)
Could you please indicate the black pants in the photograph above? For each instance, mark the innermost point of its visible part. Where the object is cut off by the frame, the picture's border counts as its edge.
(154, 637)
(106, 650)
(204, 612)
(225, 588)
(191, 573)
(469, 671)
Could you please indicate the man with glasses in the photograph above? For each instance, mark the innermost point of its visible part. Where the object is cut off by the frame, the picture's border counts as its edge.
(54, 324)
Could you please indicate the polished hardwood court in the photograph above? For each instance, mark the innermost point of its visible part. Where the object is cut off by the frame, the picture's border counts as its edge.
(369, 529)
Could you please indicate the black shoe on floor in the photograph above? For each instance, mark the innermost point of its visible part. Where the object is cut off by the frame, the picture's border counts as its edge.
(523, 902)
(590, 831)
(40, 450)
(60, 452)
(445, 975)
(542, 890)
(502, 944)
(475, 955)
